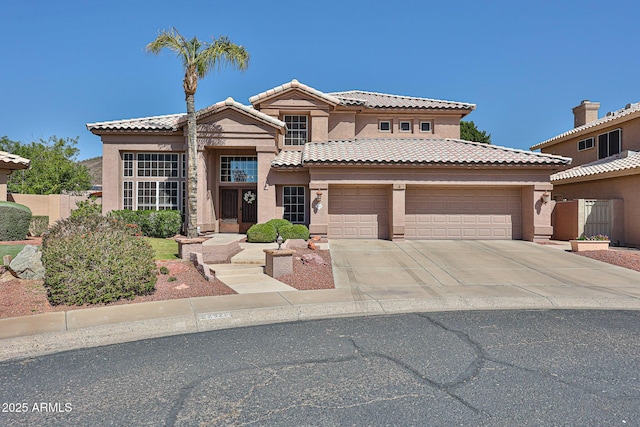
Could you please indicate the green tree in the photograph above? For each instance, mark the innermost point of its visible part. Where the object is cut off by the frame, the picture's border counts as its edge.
(53, 168)
(469, 132)
(198, 59)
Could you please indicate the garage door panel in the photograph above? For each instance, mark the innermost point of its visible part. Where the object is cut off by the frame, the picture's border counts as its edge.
(463, 213)
(358, 212)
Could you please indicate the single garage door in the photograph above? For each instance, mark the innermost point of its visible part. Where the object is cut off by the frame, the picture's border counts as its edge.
(463, 213)
(358, 212)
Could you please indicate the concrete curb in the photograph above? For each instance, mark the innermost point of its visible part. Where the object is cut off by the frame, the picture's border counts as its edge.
(42, 334)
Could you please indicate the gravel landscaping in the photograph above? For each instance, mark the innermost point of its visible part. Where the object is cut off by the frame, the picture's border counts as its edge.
(24, 297)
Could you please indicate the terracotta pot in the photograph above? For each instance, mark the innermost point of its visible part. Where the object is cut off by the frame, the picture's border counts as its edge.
(589, 245)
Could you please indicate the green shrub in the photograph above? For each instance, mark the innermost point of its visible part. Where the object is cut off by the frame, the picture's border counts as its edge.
(164, 224)
(94, 259)
(278, 222)
(164, 270)
(86, 208)
(161, 224)
(38, 225)
(261, 233)
(295, 231)
(14, 221)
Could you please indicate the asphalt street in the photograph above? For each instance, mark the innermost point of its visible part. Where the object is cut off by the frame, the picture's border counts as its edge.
(488, 368)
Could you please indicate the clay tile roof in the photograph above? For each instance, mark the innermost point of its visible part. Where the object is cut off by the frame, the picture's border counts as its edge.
(230, 102)
(156, 123)
(11, 161)
(627, 161)
(614, 116)
(384, 100)
(173, 122)
(286, 158)
(422, 151)
(297, 85)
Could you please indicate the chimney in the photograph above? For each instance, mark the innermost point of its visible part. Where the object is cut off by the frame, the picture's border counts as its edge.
(584, 113)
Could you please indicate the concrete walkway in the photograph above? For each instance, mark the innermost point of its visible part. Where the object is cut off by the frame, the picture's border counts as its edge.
(372, 278)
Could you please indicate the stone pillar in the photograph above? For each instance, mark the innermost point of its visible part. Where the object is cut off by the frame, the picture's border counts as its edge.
(203, 212)
(319, 218)
(266, 190)
(278, 262)
(398, 212)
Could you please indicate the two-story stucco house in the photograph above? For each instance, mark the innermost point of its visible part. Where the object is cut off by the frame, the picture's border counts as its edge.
(606, 161)
(348, 164)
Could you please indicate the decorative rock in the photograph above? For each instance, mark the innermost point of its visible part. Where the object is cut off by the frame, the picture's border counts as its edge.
(312, 259)
(312, 245)
(28, 264)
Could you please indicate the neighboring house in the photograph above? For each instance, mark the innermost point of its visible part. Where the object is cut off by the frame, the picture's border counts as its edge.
(9, 163)
(349, 164)
(605, 162)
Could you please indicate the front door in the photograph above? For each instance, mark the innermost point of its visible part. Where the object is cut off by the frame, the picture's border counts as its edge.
(238, 209)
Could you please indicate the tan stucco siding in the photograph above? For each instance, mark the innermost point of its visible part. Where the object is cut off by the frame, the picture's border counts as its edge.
(230, 128)
(442, 126)
(625, 188)
(569, 148)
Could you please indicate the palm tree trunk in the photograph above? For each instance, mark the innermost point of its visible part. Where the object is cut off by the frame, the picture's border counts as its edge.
(192, 175)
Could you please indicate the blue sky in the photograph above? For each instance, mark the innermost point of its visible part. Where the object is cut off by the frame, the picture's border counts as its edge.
(524, 64)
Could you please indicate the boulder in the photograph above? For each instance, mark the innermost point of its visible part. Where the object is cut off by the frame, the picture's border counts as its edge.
(28, 264)
(312, 259)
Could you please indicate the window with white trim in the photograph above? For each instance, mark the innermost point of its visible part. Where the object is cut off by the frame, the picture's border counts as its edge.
(297, 130)
(238, 169)
(154, 181)
(609, 143)
(425, 126)
(384, 126)
(127, 195)
(157, 164)
(585, 144)
(405, 126)
(293, 201)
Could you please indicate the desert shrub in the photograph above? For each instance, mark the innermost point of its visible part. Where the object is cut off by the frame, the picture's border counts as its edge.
(86, 208)
(261, 233)
(278, 222)
(164, 270)
(38, 225)
(164, 224)
(94, 259)
(14, 221)
(295, 231)
(152, 223)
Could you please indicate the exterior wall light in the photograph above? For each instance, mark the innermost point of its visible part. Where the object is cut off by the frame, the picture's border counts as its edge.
(319, 200)
(279, 241)
(546, 197)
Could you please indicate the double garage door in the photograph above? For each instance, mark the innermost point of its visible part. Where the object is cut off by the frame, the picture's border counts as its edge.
(463, 213)
(430, 212)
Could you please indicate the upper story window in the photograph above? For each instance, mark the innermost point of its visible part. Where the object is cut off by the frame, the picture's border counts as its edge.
(585, 144)
(405, 126)
(425, 126)
(297, 130)
(157, 165)
(384, 126)
(238, 169)
(609, 143)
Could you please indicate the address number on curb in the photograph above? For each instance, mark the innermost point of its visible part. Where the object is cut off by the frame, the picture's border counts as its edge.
(214, 316)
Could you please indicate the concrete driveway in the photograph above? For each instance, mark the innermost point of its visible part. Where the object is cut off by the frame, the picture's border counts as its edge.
(447, 268)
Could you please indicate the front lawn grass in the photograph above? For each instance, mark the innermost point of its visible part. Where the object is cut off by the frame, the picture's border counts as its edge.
(12, 250)
(165, 249)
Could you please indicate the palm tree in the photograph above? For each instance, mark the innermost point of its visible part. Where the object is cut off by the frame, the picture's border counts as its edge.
(198, 58)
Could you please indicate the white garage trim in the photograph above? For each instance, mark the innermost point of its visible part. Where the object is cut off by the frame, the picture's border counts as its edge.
(358, 212)
(463, 213)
